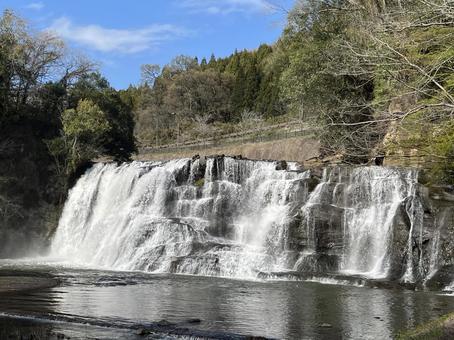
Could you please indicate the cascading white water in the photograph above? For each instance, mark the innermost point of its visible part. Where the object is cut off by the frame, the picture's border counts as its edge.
(376, 194)
(434, 259)
(415, 214)
(238, 218)
(227, 217)
(367, 200)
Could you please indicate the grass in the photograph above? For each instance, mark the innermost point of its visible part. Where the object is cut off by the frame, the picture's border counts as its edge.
(442, 328)
(296, 149)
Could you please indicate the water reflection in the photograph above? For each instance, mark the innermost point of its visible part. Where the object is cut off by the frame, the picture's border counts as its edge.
(290, 310)
(367, 314)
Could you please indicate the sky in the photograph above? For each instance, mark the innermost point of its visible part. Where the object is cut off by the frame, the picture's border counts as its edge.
(121, 35)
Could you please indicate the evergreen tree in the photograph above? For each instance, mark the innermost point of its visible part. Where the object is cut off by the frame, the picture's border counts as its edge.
(203, 64)
(251, 81)
(238, 93)
(212, 63)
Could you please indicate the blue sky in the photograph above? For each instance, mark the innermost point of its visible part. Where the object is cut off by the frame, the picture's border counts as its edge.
(122, 35)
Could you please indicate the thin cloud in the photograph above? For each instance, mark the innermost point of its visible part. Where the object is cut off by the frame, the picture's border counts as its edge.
(228, 6)
(116, 40)
(36, 6)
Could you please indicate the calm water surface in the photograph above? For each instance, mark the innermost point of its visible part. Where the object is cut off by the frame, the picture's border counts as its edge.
(282, 309)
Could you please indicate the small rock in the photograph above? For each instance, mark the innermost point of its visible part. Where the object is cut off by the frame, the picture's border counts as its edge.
(281, 165)
(142, 331)
(195, 320)
(379, 160)
(164, 323)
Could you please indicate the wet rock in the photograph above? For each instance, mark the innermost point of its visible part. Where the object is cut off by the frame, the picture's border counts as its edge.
(312, 183)
(281, 165)
(182, 175)
(142, 331)
(318, 263)
(328, 234)
(164, 323)
(192, 321)
(379, 160)
(442, 278)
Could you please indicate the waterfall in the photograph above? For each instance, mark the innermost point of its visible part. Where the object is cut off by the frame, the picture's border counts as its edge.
(239, 218)
(359, 204)
(376, 194)
(435, 257)
(415, 213)
(220, 216)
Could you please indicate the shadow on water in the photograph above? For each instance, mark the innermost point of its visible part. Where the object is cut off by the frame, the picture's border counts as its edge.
(101, 304)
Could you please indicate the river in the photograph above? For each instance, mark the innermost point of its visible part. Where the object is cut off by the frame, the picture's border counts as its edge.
(112, 304)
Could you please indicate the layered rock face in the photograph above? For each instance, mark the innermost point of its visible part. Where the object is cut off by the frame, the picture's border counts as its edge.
(255, 219)
(378, 223)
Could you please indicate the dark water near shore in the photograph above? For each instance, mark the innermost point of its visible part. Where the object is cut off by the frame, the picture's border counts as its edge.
(290, 310)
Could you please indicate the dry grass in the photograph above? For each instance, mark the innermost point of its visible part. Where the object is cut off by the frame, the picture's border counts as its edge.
(297, 149)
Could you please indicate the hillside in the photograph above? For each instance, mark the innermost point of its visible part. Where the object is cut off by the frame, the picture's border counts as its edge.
(370, 77)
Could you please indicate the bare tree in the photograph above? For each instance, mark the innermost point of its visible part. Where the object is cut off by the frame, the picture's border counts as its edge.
(388, 41)
(149, 73)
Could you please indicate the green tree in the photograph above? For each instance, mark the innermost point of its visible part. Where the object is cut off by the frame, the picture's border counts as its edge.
(120, 141)
(83, 131)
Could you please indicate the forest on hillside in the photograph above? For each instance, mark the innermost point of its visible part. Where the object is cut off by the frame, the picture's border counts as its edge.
(377, 76)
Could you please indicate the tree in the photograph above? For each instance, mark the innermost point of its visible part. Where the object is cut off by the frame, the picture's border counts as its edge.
(25, 60)
(149, 73)
(203, 64)
(252, 78)
(120, 141)
(212, 63)
(373, 72)
(183, 63)
(55, 115)
(84, 129)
